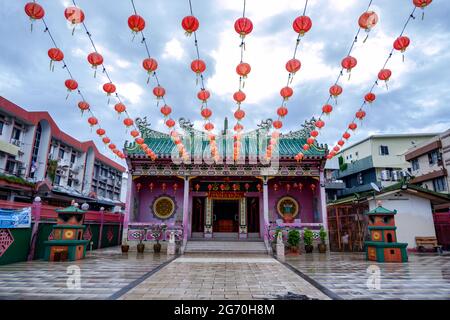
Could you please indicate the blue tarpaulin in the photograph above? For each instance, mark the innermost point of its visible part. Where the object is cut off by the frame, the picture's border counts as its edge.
(15, 219)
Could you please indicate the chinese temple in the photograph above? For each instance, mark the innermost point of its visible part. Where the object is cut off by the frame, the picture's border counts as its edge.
(244, 199)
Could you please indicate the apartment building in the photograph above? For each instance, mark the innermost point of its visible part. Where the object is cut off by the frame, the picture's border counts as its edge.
(378, 159)
(36, 157)
(429, 163)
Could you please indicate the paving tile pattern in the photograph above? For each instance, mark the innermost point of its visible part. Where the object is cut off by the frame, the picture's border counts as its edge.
(424, 277)
(222, 277)
(103, 273)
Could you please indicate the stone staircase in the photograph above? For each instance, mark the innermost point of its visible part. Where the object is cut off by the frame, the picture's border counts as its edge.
(228, 246)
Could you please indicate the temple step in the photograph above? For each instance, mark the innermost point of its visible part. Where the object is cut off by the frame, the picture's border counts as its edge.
(197, 246)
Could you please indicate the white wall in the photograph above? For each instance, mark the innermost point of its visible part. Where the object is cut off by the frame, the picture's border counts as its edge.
(413, 219)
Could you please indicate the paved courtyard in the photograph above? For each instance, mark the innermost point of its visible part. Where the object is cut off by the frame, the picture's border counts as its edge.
(424, 277)
(109, 274)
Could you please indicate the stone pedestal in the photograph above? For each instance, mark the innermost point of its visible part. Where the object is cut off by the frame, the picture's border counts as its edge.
(171, 247)
(280, 251)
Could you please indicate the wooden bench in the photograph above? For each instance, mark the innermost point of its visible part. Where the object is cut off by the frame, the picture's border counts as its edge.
(423, 243)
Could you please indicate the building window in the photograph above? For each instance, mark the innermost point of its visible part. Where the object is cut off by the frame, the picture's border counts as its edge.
(69, 182)
(1, 127)
(34, 157)
(384, 150)
(10, 165)
(73, 158)
(415, 164)
(433, 157)
(439, 184)
(61, 153)
(57, 180)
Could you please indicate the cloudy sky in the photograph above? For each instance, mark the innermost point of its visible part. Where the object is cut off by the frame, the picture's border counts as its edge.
(415, 102)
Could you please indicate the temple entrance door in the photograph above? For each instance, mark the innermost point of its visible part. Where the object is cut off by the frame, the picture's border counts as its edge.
(225, 216)
(198, 215)
(253, 216)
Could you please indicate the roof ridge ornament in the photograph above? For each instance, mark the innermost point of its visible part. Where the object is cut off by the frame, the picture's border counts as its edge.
(144, 127)
(304, 132)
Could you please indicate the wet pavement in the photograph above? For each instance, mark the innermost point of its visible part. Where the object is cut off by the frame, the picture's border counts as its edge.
(349, 275)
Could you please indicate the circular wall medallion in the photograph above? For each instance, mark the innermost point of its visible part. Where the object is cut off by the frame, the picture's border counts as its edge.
(163, 207)
(288, 205)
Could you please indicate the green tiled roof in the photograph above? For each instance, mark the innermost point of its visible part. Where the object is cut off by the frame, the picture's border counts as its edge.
(381, 210)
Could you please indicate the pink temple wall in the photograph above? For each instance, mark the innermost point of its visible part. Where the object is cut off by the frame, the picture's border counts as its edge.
(146, 198)
(305, 198)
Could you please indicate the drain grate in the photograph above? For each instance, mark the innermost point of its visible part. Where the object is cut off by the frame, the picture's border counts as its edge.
(292, 296)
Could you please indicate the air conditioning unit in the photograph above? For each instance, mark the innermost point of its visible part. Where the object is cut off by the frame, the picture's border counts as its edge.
(15, 142)
(385, 175)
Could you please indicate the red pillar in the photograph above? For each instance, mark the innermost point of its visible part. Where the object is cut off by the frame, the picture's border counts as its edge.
(36, 216)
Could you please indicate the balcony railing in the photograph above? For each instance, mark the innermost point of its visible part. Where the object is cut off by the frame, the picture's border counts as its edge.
(355, 167)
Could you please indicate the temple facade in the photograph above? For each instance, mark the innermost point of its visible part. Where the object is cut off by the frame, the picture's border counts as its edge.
(224, 198)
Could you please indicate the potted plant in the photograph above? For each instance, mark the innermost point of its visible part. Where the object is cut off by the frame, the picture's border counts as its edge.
(308, 240)
(125, 247)
(293, 240)
(157, 231)
(141, 246)
(323, 236)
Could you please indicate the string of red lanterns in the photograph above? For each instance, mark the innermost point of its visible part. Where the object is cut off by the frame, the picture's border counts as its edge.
(400, 44)
(366, 22)
(301, 25)
(71, 84)
(137, 24)
(96, 60)
(191, 24)
(243, 26)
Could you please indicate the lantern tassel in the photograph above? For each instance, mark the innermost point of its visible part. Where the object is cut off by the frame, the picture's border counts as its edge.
(95, 73)
(365, 39)
(387, 87)
(73, 31)
(51, 65)
(403, 57)
(423, 15)
(31, 26)
(148, 79)
(134, 36)
(67, 97)
(349, 75)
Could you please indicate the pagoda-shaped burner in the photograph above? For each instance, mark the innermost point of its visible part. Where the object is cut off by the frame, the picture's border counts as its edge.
(67, 243)
(383, 246)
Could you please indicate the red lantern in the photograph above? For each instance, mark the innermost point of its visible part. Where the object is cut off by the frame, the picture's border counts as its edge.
(368, 20)
(95, 59)
(206, 113)
(136, 23)
(150, 65)
(106, 140)
(401, 44)
(346, 135)
(109, 88)
(360, 114)
(313, 187)
(243, 26)
(203, 95)
(75, 16)
(112, 146)
(243, 69)
(293, 65)
(93, 121)
(302, 25)
(349, 63)
(422, 4)
(282, 111)
(170, 123)
(166, 110)
(71, 85)
(128, 122)
(55, 55)
(370, 97)
(238, 127)
(341, 142)
(198, 66)
(275, 187)
(320, 124)
(335, 91)
(286, 93)
(353, 126)
(159, 92)
(190, 24)
(34, 11)
(101, 132)
(239, 96)
(139, 141)
(310, 140)
(299, 157)
(277, 124)
(239, 114)
(83, 106)
(327, 109)
(209, 126)
(134, 133)
(306, 147)
(314, 133)
(120, 107)
(336, 149)
(385, 75)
